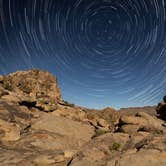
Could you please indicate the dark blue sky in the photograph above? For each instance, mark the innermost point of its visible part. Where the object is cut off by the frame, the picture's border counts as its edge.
(104, 52)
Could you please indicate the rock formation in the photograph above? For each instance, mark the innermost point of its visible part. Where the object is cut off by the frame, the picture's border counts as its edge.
(161, 108)
(32, 88)
(37, 128)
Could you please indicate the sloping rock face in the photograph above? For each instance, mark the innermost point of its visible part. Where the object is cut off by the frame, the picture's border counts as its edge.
(37, 128)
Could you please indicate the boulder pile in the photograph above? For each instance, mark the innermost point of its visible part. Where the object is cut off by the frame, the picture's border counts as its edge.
(38, 128)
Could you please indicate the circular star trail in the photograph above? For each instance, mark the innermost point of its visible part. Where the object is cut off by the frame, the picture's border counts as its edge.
(104, 52)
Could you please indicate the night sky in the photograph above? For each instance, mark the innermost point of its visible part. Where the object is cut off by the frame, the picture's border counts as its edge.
(104, 52)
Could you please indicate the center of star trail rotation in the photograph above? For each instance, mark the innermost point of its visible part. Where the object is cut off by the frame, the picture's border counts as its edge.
(104, 52)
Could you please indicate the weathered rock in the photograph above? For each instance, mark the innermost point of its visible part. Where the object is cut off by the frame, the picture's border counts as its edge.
(164, 99)
(3, 92)
(161, 110)
(106, 119)
(74, 113)
(9, 131)
(77, 133)
(110, 115)
(69, 153)
(34, 88)
(152, 122)
(129, 128)
(132, 120)
(141, 122)
(97, 151)
(102, 123)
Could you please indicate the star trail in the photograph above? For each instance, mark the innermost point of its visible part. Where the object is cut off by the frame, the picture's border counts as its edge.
(104, 52)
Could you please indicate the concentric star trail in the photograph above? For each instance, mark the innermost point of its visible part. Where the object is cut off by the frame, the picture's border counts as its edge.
(104, 52)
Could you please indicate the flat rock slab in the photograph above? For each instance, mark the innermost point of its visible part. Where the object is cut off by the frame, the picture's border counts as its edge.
(76, 132)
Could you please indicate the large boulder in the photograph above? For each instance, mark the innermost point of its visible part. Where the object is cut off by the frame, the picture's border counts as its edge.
(164, 98)
(74, 134)
(161, 109)
(140, 122)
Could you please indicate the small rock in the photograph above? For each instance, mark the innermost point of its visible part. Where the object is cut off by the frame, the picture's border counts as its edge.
(103, 123)
(68, 154)
(43, 160)
(132, 120)
(129, 128)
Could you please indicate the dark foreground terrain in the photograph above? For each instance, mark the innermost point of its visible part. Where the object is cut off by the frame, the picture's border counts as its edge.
(38, 128)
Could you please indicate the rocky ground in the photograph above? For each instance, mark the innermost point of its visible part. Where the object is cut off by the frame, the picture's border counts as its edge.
(38, 128)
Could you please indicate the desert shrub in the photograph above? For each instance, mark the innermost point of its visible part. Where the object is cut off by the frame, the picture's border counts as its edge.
(114, 146)
(68, 104)
(8, 86)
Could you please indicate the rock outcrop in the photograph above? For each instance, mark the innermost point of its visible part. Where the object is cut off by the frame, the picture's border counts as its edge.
(161, 109)
(33, 88)
(38, 128)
